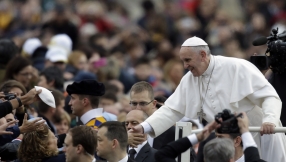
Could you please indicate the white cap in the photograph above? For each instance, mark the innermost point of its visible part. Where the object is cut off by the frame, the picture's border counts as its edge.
(57, 54)
(63, 41)
(31, 45)
(194, 41)
(46, 96)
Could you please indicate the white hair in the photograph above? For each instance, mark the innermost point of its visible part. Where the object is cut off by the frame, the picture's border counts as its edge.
(198, 49)
(219, 149)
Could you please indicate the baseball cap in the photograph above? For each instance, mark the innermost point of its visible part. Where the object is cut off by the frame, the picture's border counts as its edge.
(56, 54)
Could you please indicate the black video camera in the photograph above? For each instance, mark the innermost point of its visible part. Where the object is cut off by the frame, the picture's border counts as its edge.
(229, 122)
(276, 47)
(9, 96)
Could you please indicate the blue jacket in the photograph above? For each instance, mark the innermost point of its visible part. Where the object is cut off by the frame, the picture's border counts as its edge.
(9, 137)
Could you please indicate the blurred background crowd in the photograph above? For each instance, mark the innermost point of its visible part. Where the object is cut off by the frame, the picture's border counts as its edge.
(51, 43)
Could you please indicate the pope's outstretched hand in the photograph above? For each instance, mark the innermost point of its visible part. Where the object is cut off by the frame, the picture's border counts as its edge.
(138, 129)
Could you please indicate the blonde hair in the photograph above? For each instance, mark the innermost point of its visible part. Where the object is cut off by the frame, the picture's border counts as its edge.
(34, 146)
(74, 56)
(66, 116)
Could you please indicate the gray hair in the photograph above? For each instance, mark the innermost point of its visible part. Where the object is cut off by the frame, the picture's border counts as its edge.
(198, 49)
(219, 150)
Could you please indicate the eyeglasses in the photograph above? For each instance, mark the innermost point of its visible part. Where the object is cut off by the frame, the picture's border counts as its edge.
(26, 74)
(140, 103)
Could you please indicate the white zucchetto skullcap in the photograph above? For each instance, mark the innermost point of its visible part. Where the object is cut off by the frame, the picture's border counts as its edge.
(194, 41)
(46, 96)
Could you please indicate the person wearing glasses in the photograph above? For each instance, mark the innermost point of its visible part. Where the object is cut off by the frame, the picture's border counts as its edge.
(21, 70)
(142, 98)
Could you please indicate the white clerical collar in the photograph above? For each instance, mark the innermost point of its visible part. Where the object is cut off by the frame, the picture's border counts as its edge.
(241, 159)
(139, 147)
(91, 114)
(210, 67)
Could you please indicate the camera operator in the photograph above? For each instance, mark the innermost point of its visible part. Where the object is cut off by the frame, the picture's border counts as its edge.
(215, 150)
(272, 65)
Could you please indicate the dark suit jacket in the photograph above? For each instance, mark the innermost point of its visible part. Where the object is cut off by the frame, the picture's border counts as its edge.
(165, 138)
(251, 155)
(173, 149)
(146, 154)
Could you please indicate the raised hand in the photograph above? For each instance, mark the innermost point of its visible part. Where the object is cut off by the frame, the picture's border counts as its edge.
(3, 127)
(29, 126)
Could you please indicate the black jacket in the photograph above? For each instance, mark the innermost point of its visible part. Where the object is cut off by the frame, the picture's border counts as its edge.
(146, 154)
(165, 138)
(5, 108)
(173, 149)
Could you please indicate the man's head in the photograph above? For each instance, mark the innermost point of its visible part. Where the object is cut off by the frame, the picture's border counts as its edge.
(84, 95)
(8, 50)
(135, 117)
(10, 117)
(219, 149)
(80, 142)
(111, 140)
(53, 113)
(108, 99)
(52, 77)
(195, 55)
(142, 97)
(236, 137)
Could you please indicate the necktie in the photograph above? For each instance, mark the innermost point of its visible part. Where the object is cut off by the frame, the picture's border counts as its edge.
(132, 153)
(95, 122)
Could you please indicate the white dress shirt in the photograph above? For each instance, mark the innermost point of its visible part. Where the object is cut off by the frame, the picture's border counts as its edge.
(241, 159)
(125, 159)
(150, 140)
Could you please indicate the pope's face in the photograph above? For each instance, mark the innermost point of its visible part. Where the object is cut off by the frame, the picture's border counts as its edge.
(193, 61)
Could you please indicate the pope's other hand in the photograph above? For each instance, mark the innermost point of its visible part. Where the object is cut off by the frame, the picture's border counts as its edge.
(267, 128)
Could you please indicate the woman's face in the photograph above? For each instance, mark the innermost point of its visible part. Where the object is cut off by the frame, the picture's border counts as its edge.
(63, 127)
(17, 91)
(81, 62)
(25, 75)
(53, 141)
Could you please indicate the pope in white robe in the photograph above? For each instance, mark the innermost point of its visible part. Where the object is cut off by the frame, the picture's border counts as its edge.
(214, 83)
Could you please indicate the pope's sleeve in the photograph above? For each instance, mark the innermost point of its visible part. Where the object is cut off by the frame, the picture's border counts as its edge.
(172, 111)
(161, 120)
(271, 104)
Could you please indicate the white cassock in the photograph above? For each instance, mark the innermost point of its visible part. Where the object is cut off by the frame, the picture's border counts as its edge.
(235, 84)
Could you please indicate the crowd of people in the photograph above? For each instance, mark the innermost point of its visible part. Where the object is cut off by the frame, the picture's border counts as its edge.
(123, 72)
